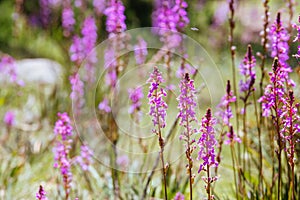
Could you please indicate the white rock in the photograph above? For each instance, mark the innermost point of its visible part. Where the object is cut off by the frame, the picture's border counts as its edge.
(40, 71)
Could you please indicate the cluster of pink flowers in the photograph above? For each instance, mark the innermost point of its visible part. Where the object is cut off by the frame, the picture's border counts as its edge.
(89, 34)
(156, 93)
(9, 118)
(115, 26)
(41, 194)
(68, 18)
(45, 12)
(135, 96)
(164, 18)
(140, 51)
(181, 17)
(279, 39)
(63, 126)
(8, 69)
(115, 22)
(111, 66)
(274, 92)
(77, 50)
(207, 142)
(224, 108)
(104, 106)
(63, 132)
(77, 93)
(63, 162)
(172, 17)
(248, 72)
(187, 105)
(179, 196)
(85, 159)
(290, 124)
(81, 47)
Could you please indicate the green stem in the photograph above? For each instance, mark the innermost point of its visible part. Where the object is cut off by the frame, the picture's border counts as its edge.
(234, 175)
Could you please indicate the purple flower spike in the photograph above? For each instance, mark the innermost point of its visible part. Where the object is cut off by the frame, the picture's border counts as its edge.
(63, 133)
(274, 92)
(45, 12)
(63, 126)
(156, 93)
(104, 106)
(140, 51)
(187, 105)
(77, 50)
(85, 159)
(135, 96)
(68, 20)
(77, 92)
(165, 18)
(207, 142)
(224, 109)
(181, 17)
(115, 22)
(89, 34)
(290, 120)
(279, 39)
(248, 72)
(81, 48)
(62, 161)
(41, 194)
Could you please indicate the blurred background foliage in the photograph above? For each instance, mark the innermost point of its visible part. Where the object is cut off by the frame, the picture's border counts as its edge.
(22, 35)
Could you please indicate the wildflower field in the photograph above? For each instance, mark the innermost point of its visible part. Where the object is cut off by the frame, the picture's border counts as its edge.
(149, 99)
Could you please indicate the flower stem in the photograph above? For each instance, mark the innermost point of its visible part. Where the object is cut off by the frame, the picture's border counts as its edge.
(233, 167)
(162, 144)
(208, 183)
(260, 174)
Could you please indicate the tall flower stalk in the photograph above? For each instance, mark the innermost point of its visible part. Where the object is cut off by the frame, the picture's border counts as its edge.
(187, 115)
(247, 88)
(264, 43)
(232, 53)
(272, 106)
(279, 39)
(171, 18)
(115, 26)
(263, 56)
(68, 20)
(158, 112)
(225, 114)
(63, 132)
(77, 93)
(207, 144)
(290, 124)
